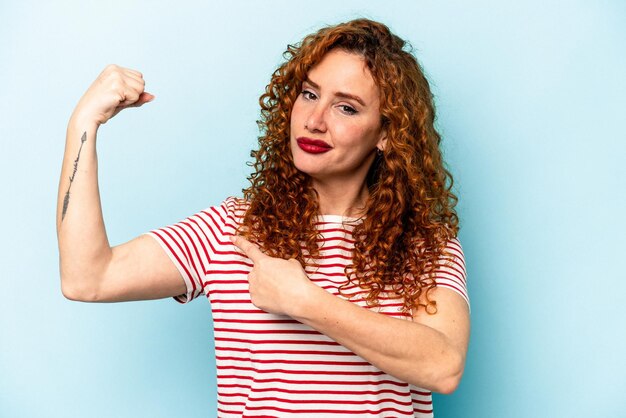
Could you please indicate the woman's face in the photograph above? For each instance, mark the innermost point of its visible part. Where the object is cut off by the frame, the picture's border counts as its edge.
(335, 121)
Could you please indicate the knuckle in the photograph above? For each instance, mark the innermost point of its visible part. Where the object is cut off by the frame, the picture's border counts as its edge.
(111, 68)
(116, 85)
(116, 82)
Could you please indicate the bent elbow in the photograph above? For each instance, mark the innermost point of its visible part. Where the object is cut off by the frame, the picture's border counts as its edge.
(77, 293)
(451, 379)
(448, 375)
(448, 385)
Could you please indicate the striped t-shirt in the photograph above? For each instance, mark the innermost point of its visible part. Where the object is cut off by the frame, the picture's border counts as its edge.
(272, 365)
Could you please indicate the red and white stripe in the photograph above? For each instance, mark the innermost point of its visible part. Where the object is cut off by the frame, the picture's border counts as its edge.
(272, 365)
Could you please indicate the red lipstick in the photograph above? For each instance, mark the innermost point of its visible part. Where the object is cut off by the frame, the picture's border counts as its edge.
(313, 146)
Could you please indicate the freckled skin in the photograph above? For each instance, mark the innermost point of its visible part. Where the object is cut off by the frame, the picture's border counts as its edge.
(353, 130)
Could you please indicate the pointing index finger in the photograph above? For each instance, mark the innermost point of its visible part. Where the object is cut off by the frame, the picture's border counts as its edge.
(249, 249)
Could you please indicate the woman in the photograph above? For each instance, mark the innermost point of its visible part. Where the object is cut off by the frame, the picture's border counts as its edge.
(337, 284)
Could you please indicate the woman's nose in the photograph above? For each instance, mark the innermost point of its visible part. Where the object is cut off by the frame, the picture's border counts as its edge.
(316, 122)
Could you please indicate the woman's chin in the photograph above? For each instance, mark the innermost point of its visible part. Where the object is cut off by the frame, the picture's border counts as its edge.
(307, 166)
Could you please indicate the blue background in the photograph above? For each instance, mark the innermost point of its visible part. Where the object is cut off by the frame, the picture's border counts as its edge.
(531, 106)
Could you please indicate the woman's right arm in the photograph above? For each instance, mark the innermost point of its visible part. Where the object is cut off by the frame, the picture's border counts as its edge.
(90, 269)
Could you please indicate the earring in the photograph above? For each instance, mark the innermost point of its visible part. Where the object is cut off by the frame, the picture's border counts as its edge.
(379, 152)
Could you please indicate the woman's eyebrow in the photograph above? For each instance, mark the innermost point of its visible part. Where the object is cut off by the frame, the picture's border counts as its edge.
(338, 93)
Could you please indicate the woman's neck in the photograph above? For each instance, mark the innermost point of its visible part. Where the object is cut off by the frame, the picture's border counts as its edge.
(339, 198)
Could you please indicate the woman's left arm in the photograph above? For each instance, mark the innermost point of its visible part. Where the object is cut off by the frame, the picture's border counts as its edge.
(428, 352)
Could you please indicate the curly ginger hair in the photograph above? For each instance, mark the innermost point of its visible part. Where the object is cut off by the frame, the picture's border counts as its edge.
(409, 215)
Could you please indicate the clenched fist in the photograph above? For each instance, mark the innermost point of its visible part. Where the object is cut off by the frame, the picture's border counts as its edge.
(116, 88)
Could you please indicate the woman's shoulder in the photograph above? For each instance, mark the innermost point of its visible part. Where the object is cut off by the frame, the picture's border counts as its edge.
(232, 209)
(235, 204)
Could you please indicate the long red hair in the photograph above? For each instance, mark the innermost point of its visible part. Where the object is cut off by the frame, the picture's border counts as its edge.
(409, 214)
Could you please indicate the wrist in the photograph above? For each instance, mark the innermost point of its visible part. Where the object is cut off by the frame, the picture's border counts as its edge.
(82, 123)
(308, 302)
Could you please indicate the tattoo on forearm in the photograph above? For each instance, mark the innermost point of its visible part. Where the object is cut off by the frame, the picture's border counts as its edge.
(66, 200)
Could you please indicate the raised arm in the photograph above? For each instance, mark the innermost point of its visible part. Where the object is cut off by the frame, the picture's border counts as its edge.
(90, 269)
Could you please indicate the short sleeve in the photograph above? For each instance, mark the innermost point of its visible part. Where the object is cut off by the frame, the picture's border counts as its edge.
(191, 244)
(451, 272)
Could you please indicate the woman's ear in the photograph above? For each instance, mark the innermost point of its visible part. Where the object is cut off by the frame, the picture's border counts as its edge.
(382, 141)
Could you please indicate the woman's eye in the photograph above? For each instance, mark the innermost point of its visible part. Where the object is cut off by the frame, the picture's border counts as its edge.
(308, 95)
(347, 109)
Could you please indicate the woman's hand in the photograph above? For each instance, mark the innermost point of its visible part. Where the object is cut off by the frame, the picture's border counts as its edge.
(116, 88)
(277, 286)
(428, 352)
